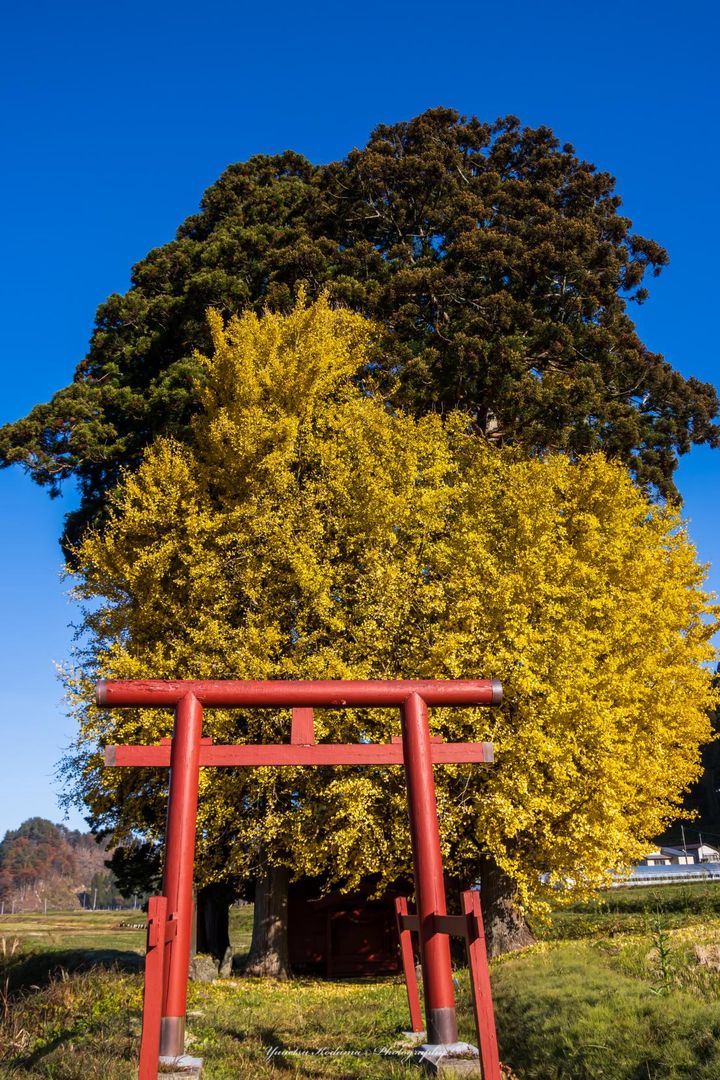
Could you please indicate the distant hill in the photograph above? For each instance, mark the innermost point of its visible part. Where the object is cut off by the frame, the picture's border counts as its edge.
(46, 864)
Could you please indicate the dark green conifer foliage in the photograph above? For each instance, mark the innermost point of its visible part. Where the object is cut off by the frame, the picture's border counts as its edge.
(499, 260)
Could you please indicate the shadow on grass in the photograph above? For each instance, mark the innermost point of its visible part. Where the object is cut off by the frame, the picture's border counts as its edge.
(25, 1064)
(276, 1051)
(31, 970)
(239, 961)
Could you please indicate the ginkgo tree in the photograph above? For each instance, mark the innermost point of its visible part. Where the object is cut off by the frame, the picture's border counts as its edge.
(315, 532)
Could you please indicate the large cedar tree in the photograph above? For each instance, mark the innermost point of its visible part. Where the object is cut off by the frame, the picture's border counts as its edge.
(499, 261)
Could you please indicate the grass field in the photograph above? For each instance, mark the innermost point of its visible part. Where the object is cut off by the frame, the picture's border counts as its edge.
(612, 991)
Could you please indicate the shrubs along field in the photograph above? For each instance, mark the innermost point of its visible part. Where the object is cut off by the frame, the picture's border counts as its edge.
(624, 988)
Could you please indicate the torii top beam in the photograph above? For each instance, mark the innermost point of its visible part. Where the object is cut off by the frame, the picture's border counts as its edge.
(285, 693)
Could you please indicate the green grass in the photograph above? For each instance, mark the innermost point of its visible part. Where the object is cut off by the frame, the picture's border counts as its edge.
(576, 1011)
(40, 947)
(78, 930)
(612, 991)
(626, 910)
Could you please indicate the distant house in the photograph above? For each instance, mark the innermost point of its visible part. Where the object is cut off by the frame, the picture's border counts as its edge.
(678, 855)
(682, 856)
(655, 858)
(703, 853)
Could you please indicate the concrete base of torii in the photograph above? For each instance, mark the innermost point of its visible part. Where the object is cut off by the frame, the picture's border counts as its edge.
(457, 1059)
(180, 1068)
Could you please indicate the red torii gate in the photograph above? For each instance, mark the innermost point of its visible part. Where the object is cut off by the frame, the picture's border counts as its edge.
(170, 916)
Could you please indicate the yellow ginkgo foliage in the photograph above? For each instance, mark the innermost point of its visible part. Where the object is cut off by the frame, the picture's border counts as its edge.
(313, 532)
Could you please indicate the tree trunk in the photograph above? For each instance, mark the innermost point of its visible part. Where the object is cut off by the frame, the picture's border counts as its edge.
(505, 926)
(269, 948)
(213, 924)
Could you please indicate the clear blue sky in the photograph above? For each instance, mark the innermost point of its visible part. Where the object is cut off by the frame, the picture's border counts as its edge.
(117, 117)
